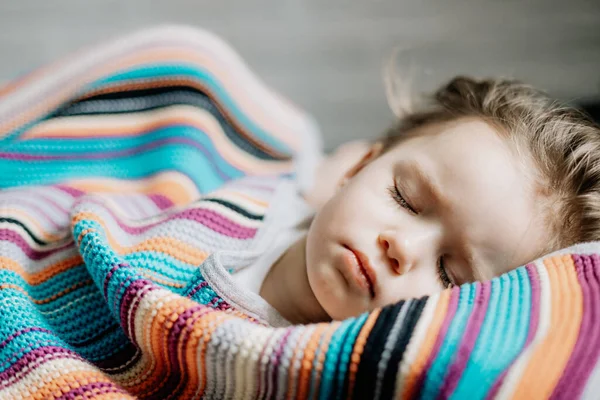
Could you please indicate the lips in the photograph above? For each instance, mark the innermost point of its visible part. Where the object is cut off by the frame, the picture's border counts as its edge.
(366, 270)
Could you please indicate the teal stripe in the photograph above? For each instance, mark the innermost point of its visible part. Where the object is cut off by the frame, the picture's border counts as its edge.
(357, 324)
(156, 71)
(437, 371)
(506, 322)
(176, 157)
(163, 264)
(101, 259)
(330, 364)
(56, 283)
(85, 146)
(105, 347)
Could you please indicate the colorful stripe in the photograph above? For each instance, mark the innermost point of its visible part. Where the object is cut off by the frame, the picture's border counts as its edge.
(126, 166)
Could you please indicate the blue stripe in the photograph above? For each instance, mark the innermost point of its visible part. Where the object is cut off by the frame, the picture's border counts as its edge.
(437, 372)
(506, 321)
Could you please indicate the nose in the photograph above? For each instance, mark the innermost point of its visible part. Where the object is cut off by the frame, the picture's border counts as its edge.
(406, 249)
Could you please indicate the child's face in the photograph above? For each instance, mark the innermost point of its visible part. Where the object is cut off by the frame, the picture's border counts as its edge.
(484, 223)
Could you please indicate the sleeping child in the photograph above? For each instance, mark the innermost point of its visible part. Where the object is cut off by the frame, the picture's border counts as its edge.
(491, 175)
(164, 215)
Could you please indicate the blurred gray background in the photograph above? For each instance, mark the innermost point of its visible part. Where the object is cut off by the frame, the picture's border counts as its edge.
(327, 55)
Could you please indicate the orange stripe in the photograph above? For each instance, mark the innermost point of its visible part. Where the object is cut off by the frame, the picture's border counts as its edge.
(71, 381)
(307, 361)
(359, 347)
(51, 298)
(139, 124)
(141, 57)
(166, 245)
(204, 328)
(39, 277)
(291, 380)
(323, 351)
(418, 366)
(190, 353)
(172, 190)
(551, 356)
(33, 224)
(40, 130)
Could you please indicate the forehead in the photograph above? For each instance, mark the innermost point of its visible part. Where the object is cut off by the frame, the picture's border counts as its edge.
(490, 199)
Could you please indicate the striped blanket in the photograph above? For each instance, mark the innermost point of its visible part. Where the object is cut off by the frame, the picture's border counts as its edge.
(113, 159)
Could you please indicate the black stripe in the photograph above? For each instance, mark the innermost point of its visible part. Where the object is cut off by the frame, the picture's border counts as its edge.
(366, 375)
(29, 233)
(404, 336)
(235, 208)
(152, 99)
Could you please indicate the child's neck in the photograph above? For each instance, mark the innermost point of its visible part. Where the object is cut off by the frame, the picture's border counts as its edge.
(287, 289)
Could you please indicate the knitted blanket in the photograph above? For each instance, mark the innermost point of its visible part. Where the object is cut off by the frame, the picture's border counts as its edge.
(112, 161)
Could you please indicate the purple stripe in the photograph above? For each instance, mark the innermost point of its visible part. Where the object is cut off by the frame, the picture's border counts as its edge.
(33, 359)
(129, 301)
(456, 369)
(452, 307)
(70, 190)
(177, 376)
(208, 218)
(585, 353)
(96, 388)
(109, 274)
(275, 359)
(53, 203)
(21, 332)
(8, 235)
(197, 288)
(134, 307)
(161, 201)
(34, 206)
(534, 320)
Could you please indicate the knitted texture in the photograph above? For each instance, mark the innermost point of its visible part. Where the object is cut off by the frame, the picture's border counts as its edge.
(126, 166)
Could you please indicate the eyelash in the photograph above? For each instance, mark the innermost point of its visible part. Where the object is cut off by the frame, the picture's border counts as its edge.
(441, 270)
(398, 198)
(443, 275)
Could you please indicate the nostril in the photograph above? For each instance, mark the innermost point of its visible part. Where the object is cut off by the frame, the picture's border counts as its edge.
(396, 263)
(386, 244)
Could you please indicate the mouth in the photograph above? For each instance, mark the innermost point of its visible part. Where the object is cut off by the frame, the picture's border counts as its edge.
(360, 266)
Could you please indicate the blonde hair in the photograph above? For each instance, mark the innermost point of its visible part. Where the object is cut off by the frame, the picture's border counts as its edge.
(561, 141)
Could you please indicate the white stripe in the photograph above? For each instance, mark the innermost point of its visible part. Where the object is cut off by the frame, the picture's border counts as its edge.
(515, 372)
(415, 342)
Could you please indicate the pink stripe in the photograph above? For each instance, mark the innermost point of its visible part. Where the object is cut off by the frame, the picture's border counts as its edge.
(35, 207)
(75, 193)
(162, 202)
(587, 348)
(33, 359)
(452, 307)
(97, 388)
(208, 218)
(534, 319)
(11, 236)
(20, 332)
(456, 369)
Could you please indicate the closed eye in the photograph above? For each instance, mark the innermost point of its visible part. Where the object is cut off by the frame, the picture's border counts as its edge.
(398, 198)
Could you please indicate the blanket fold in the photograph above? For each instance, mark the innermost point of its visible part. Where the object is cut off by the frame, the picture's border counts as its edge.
(127, 166)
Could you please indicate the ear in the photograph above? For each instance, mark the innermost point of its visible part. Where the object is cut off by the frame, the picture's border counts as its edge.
(373, 152)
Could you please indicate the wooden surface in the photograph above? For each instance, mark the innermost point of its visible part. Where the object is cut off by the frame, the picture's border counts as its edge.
(327, 55)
